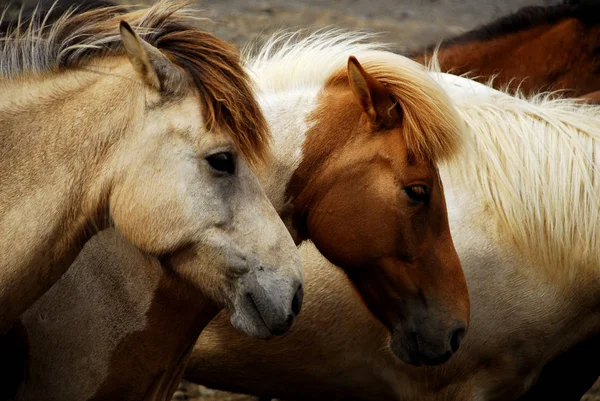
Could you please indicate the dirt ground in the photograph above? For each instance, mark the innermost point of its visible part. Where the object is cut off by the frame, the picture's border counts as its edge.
(405, 23)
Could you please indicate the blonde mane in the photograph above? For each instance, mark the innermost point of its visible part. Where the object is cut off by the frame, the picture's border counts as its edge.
(535, 163)
(288, 61)
(225, 91)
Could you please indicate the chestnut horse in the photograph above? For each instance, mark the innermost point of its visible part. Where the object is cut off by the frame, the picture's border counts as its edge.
(524, 211)
(357, 146)
(93, 135)
(538, 48)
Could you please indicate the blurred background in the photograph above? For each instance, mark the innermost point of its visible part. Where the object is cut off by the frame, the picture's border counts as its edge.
(405, 23)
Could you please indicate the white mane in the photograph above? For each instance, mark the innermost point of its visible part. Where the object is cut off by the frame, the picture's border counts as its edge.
(536, 164)
(291, 60)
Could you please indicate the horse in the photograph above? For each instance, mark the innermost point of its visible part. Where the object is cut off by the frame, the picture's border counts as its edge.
(523, 208)
(93, 135)
(354, 171)
(536, 49)
(357, 175)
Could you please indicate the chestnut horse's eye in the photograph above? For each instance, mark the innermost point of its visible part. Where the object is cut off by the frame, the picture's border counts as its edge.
(418, 193)
(223, 162)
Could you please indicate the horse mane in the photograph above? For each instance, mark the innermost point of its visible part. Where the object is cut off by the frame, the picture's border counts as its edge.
(586, 11)
(35, 46)
(288, 61)
(535, 162)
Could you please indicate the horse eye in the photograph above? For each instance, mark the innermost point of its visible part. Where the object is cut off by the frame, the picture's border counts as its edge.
(222, 162)
(418, 193)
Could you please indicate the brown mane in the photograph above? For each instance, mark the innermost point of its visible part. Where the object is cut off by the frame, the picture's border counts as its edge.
(225, 90)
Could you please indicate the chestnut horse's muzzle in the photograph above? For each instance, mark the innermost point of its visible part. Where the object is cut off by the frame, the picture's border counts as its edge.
(427, 341)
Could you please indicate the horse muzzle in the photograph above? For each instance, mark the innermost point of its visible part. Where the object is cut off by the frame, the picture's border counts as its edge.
(429, 343)
(267, 305)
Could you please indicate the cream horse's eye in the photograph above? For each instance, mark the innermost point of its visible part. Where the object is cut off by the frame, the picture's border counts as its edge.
(222, 162)
(418, 193)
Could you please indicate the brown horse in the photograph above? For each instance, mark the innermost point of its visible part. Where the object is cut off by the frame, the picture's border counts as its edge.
(357, 149)
(539, 48)
(92, 133)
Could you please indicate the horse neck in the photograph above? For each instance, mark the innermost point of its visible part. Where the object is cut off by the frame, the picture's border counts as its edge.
(303, 143)
(57, 140)
(546, 67)
(112, 301)
(288, 115)
(172, 319)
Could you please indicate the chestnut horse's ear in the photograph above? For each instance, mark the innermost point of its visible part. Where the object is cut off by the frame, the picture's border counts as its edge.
(155, 69)
(376, 101)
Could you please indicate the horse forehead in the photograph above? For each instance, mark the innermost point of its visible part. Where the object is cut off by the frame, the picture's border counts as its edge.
(181, 117)
(457, 86)
(185, 111)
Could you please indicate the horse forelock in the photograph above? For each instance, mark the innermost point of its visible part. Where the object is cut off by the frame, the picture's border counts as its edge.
(430, 125)
(225, 91)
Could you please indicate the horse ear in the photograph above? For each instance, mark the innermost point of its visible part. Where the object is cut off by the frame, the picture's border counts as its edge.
(154, 67)
(374, 98)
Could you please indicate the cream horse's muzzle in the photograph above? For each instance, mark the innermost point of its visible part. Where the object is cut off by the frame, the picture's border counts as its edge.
(267, 305)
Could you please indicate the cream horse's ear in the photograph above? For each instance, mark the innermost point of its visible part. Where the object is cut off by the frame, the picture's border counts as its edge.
(154, 67)
(376, 101)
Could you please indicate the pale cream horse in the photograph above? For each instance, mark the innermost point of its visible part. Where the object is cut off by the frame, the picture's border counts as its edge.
(155, 136)
(524, 209)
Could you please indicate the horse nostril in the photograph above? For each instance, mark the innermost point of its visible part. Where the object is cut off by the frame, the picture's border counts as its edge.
(297, 301)
(457, 337)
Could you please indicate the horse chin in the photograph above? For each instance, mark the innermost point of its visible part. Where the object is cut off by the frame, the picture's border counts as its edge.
(413, 349)
(405, 347)
(249, 321)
